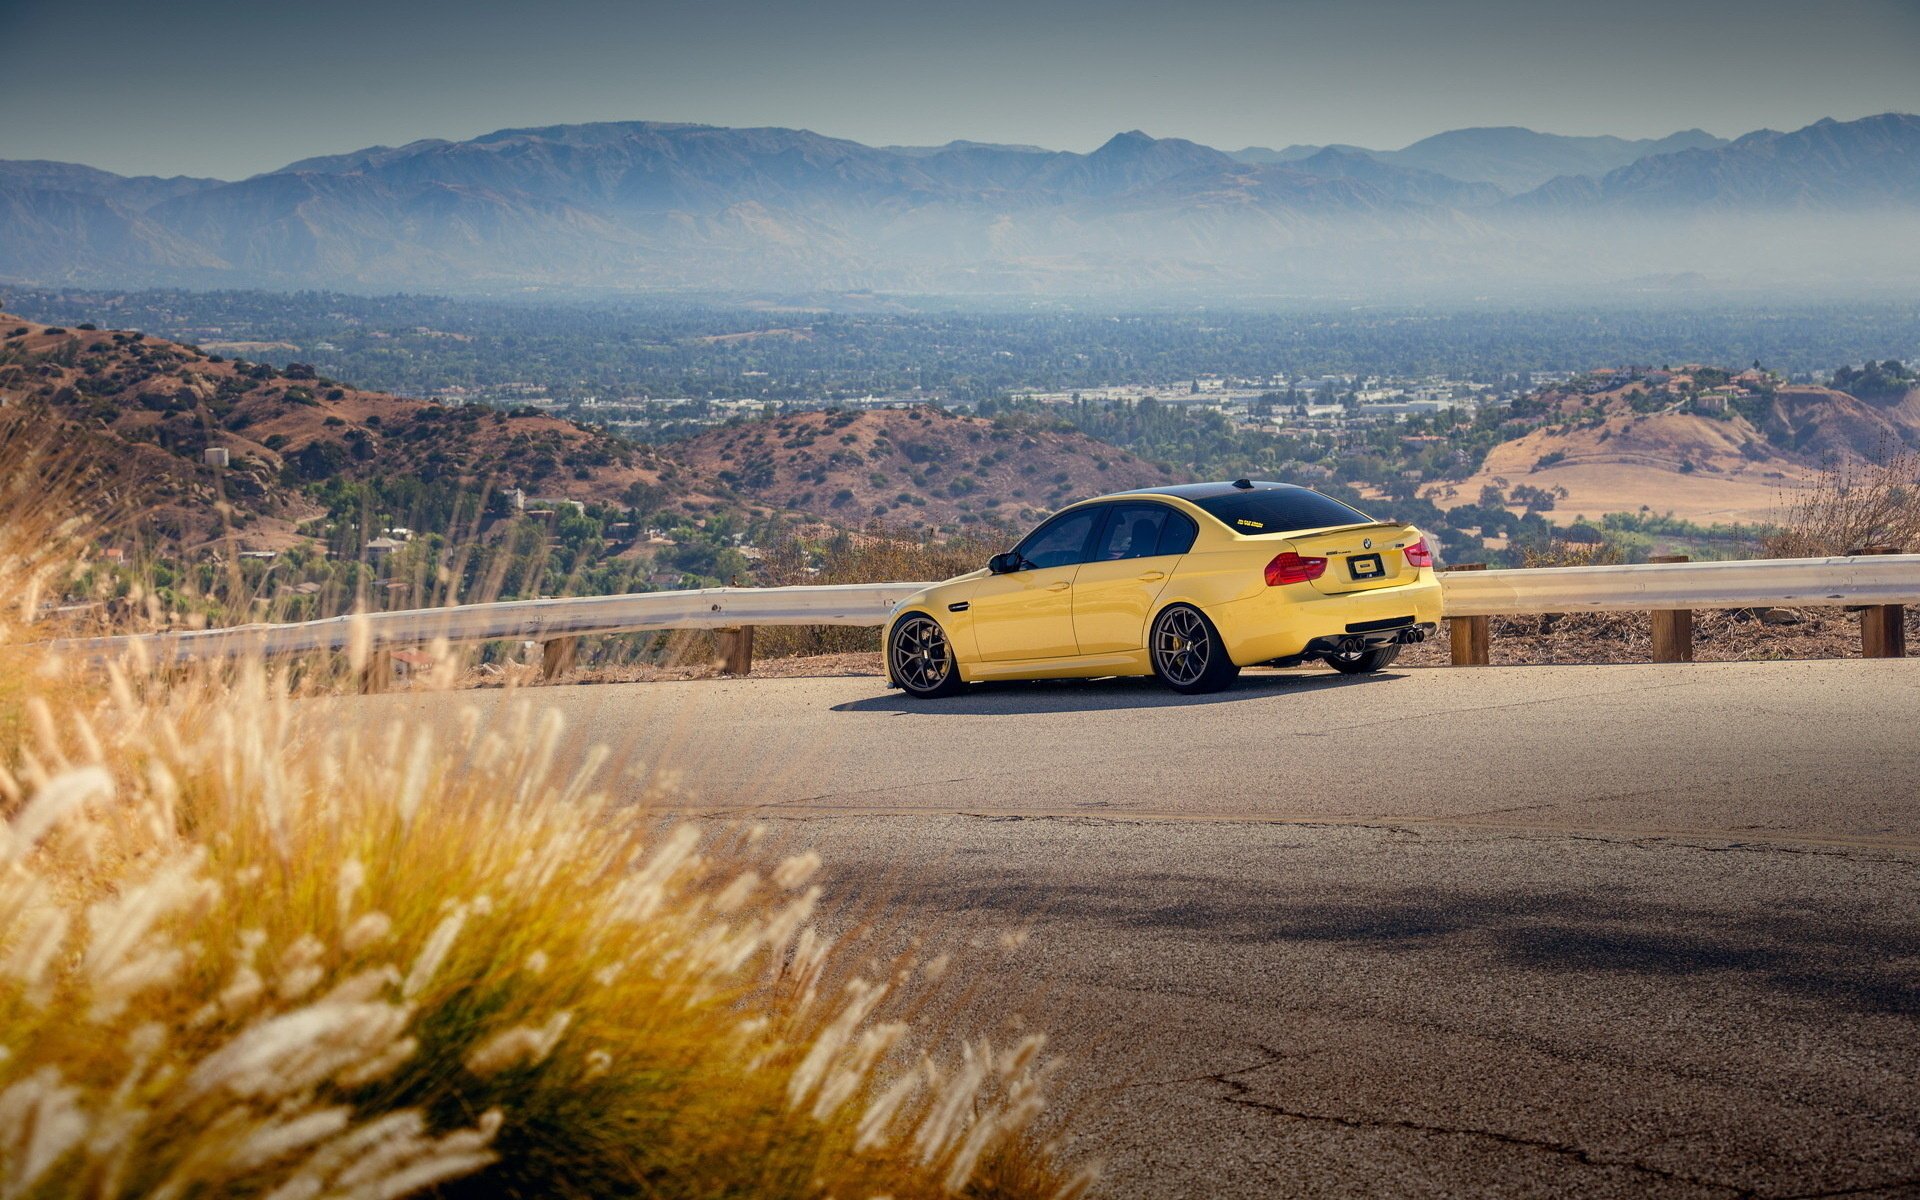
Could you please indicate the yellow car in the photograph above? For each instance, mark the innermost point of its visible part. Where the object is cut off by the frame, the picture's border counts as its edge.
(1189, 583)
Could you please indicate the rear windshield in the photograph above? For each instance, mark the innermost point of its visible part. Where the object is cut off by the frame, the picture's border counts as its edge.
(1280, 510)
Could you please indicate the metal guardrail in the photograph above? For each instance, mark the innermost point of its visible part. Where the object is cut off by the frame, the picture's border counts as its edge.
(1862, 579)
(1877, 582)
(524, 620)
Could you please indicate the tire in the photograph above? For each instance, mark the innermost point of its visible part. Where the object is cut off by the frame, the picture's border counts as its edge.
(1364, 663)
(920, 658)
(1187, 652)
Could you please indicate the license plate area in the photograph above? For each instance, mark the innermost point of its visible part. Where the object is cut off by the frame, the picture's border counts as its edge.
(1366, 566)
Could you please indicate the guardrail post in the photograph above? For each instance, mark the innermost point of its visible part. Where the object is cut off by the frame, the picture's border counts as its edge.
(1470, 637)
(1672, 627)
(736, 650)
(557, 655)
(1883, 627)
(377, 675)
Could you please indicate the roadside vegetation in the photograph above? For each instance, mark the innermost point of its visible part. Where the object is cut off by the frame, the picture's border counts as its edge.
(1852, 505)
(246, 950)
(875, 556)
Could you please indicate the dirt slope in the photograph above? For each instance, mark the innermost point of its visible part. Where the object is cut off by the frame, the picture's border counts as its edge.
(1699, 468)
(144, 410)
(911, 466)
(1631, 448)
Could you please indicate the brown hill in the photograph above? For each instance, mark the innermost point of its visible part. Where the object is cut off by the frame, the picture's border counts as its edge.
(1818, 423)
(143, 411)
(1598, 455)
(911, 466)
(1698, 468)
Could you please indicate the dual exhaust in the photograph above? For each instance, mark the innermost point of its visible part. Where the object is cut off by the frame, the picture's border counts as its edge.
(1351, 643)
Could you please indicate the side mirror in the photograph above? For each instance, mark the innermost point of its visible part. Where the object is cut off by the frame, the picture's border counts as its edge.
(1003, 564)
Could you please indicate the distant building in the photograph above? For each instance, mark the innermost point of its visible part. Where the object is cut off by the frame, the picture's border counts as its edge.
(383, 545)
(214, 456)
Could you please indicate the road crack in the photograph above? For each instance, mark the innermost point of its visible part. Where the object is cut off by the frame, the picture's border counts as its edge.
(1241, 1096)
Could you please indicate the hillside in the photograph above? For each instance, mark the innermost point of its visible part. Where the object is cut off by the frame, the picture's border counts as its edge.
(142, 412)
(1698, 468)
(910, 466)
(1712, 459)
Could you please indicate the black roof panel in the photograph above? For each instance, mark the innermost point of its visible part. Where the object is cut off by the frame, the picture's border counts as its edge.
(1203, 491)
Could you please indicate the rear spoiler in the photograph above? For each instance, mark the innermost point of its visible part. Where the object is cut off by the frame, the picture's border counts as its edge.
(1396, 526)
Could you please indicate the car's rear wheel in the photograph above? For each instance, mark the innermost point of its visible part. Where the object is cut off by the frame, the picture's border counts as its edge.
(1187, 653)
(922, 658)
(1363, 662)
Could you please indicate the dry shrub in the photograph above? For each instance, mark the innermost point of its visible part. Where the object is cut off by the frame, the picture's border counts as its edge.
(1559, 552)
(876, 556)
(1853, 504)
(1605, 628)
(248, 948)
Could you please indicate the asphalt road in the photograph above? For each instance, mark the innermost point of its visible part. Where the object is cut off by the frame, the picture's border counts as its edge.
(1629, 930)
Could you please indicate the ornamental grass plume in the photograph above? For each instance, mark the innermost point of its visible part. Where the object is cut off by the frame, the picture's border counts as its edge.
(246, 951)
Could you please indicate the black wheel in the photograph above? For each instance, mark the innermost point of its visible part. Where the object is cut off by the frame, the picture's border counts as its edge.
(1363, 662)
(922, 659)
(1187, 653)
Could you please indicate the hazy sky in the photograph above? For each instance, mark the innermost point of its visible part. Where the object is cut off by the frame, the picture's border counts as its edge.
(218, 87)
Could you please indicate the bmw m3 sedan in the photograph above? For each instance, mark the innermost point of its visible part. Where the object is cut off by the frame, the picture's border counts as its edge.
(1189, 583)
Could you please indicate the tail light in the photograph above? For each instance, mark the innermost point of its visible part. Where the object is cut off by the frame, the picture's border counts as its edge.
(1288, 567)
(1418, 553)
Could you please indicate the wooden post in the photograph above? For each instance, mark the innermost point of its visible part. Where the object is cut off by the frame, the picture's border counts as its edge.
(378, 673)
(1672, 627)
(736, 650)
(1883, 627)
(1471, 637)
(556, 657)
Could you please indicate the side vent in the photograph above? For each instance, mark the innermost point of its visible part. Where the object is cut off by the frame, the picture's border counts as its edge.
(960, 607)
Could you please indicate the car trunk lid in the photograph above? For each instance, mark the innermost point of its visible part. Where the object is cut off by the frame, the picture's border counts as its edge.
(1359, 557)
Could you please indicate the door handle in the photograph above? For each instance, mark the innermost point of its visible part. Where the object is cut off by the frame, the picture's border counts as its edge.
(1058, 587)
(1150, 576)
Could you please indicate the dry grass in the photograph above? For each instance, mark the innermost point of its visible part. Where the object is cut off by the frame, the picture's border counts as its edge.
(1851, 505)
(244, 952)
(876, 557)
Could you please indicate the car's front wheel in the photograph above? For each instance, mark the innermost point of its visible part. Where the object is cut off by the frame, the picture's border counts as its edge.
(922, 659)
(1363, 662)
(1187, 653)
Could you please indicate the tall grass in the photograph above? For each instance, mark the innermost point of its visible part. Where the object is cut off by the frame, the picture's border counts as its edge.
(250, 948)
(1853, 504)
(876, 556)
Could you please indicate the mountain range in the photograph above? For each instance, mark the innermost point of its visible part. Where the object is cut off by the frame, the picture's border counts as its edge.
(657, 206)
(1509, 157)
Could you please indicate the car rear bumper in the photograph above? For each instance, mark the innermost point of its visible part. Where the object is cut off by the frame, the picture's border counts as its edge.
(1296, 620)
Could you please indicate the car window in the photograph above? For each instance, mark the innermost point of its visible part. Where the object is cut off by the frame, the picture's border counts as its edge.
(1176, 536)
(1061, 541)
(1280, 510)
(1134, 531)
